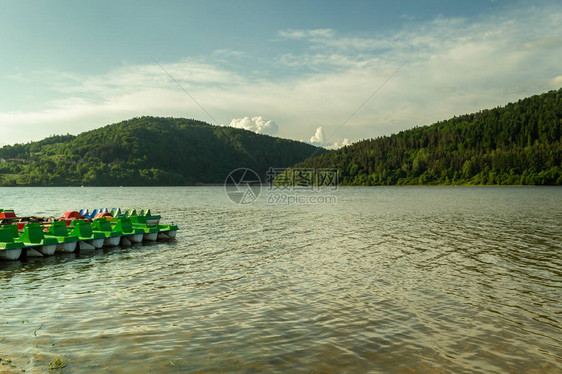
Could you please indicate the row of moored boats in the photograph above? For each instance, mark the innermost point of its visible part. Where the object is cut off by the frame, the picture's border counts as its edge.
(22, 237)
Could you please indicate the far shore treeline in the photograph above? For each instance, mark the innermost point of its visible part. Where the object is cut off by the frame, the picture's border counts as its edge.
(518, 144)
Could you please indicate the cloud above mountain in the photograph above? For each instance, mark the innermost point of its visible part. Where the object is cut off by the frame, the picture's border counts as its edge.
(256, 124)
(318, 137)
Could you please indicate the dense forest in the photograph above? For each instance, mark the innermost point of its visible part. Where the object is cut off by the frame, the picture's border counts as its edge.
(518, 144)
(146, 151)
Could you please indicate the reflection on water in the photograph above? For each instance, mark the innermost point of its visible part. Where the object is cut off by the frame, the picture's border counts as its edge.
(401, 280)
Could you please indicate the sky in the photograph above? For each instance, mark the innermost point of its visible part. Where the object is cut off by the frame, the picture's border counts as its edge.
(325, 72)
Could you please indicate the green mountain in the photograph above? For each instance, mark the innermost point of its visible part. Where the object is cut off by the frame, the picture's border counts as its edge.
(518, 144)
(146, 151)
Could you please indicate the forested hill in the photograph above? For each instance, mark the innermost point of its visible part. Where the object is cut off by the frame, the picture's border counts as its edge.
(146, 151)
(518, 144)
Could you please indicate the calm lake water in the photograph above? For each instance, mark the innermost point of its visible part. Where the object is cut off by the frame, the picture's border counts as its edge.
(398, 280)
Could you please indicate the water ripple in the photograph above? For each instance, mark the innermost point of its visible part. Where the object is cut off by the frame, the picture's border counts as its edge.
(464, 280)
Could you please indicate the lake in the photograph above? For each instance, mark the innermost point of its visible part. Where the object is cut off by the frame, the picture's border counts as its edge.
(353, 280)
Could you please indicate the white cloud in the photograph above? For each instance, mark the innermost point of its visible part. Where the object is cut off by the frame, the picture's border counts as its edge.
(557, 82)
(318, 137)
(320, 38)
(256, 124)
(314, 34)
(89, 101)
(343, 143)
(544, 43)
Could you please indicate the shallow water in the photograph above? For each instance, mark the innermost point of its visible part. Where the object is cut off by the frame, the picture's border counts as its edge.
(464, 280)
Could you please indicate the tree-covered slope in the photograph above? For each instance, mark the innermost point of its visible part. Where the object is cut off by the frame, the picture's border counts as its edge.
(520, 143)
(146, 151)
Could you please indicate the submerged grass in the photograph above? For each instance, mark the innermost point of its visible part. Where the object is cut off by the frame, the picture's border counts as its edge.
(58, 364)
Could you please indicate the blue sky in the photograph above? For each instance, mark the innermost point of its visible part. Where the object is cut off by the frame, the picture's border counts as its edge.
(294, 69)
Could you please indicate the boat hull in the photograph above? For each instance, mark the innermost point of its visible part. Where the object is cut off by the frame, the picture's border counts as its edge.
(47, 250)
(125, 242)
(33, 252)
(10, 254)
(150, 236)
(136, 238)
(68, 247)
(112, 241)
(86, 246)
